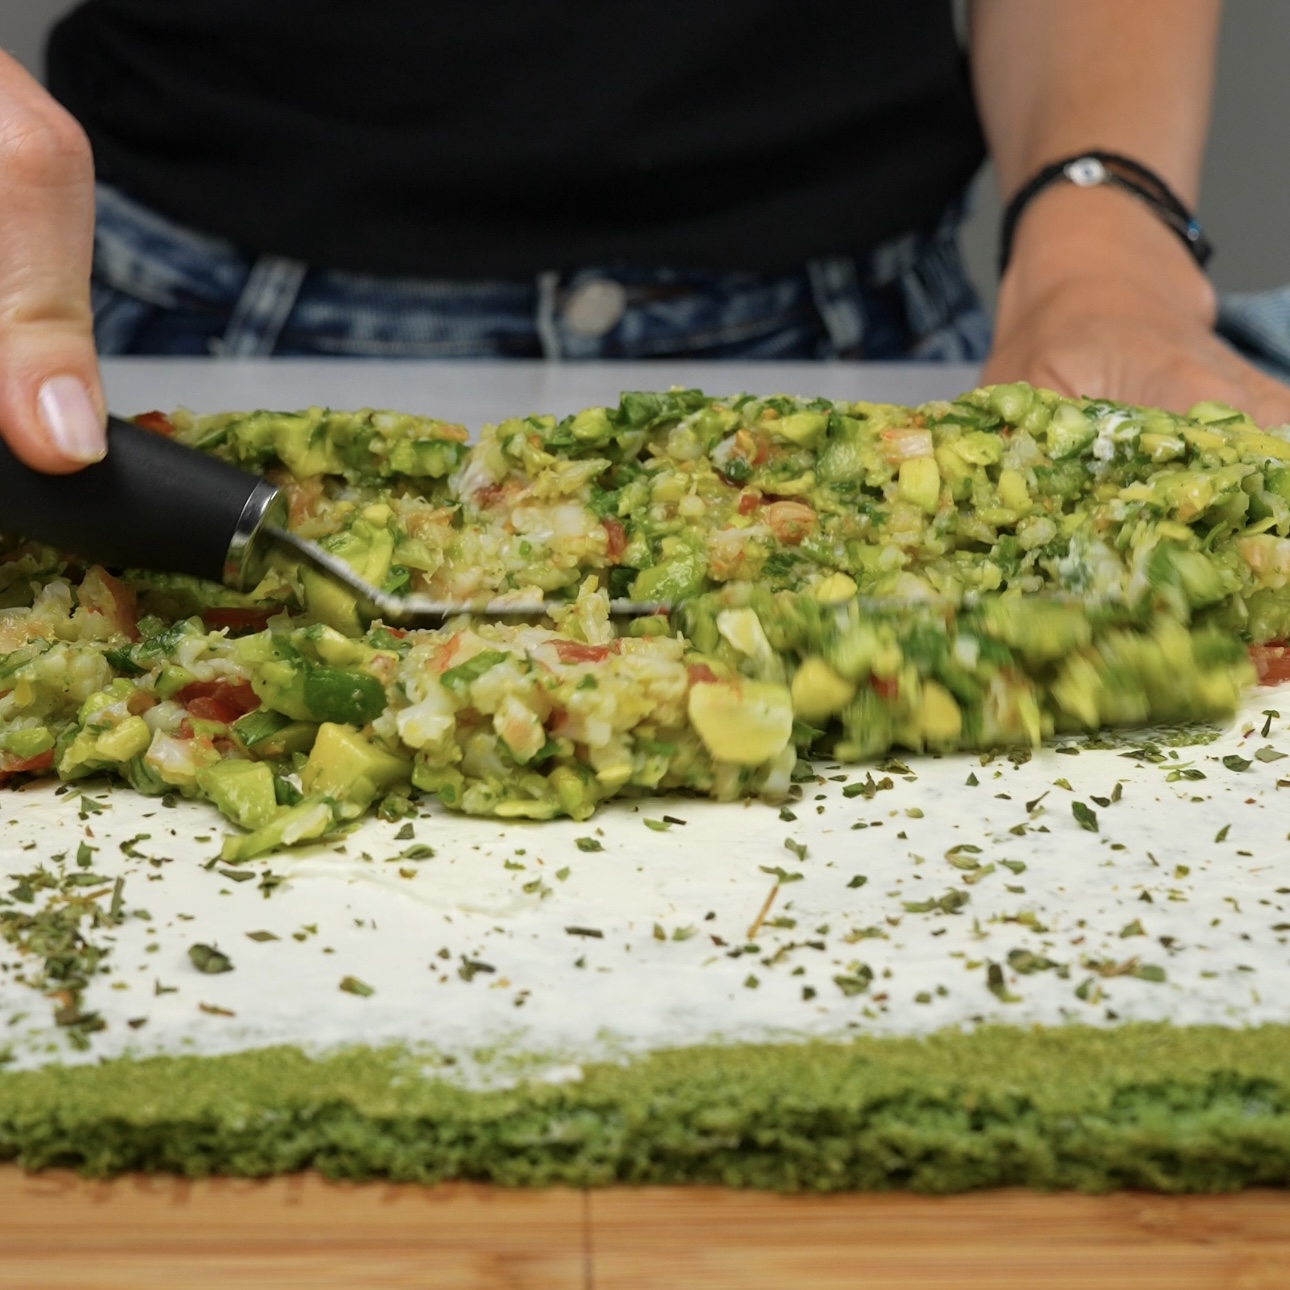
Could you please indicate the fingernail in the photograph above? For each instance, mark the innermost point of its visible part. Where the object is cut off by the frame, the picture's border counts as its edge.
(71, 420)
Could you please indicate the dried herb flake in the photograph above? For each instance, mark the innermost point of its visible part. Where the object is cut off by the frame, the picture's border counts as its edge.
(206, 958)
(1085, 816)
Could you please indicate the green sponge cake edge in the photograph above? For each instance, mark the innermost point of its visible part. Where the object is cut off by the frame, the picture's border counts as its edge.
(1200, 1109)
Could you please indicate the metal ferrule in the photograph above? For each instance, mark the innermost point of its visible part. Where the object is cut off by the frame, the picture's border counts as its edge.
(248, 549)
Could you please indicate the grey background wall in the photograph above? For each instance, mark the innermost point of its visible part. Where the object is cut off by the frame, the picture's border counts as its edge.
(23, 25)
(1246, 196)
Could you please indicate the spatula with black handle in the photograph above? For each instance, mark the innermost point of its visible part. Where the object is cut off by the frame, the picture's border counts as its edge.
(152, 503)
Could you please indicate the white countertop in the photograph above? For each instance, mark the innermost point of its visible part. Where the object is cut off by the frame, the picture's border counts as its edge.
(476, 392)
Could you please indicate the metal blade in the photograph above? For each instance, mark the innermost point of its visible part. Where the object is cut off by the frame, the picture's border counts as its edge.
(423, 611)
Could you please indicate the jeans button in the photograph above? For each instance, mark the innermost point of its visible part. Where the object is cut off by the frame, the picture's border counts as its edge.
(595, 307)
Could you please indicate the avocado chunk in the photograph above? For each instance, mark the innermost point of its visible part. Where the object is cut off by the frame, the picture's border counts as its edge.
(272, 734)
(740, 721)
(1069, 432)
(127, 739)
(241, 790)
(330, 602)
(939, 720)
(368, 549)
(351, 769)
(307, 820)
(803, 428)
(1041, 631)
(919, 482)
(343, 694)
(29, 741)
(1193, 573)
(819, 692)
(682, 575)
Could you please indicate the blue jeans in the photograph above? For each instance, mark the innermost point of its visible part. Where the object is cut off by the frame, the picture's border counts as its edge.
(160, 288)
(1257, 324)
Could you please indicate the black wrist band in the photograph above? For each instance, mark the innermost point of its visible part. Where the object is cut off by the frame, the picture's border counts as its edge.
(1094, 168)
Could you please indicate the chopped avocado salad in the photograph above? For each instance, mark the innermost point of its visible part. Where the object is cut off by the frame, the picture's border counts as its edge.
(845, 579)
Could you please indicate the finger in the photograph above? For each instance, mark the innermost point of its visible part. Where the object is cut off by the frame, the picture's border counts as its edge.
(1265, 401)
(51, 401)
(1048, 369)
(1214, 373)
(1174, 371)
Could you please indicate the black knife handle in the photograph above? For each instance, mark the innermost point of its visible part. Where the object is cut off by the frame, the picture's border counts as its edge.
(150, 503)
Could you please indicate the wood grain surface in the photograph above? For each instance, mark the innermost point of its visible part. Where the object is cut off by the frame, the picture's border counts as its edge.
(58, 1232)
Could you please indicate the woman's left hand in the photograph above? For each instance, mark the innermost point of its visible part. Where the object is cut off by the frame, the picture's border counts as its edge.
(1101, 298)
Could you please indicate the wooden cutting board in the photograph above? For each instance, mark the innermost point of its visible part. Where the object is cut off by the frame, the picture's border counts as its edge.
(58, 1232)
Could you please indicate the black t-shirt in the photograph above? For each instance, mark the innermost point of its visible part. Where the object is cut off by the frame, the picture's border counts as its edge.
(500, 137)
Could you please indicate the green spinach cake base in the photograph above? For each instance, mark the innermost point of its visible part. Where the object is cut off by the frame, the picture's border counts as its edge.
(1150, 1106)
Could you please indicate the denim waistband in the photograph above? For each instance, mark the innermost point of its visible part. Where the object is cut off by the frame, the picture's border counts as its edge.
(162, 288)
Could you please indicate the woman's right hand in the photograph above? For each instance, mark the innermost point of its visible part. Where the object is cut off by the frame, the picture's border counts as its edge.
(52, 411)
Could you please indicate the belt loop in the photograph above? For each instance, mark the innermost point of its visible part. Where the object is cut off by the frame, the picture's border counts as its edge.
(933, 287)
(548, 283)
(839, 300)
(262, 309)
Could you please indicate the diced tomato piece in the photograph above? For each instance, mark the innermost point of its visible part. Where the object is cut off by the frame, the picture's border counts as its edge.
(185, 730)
(213, 710)
(157, 422)
(578, 652)
(885, 687)
(238, 620)
(1271, 662)
(237, 693)
(222, 701)
(749, 502)
(26, 765)
(615, 540)
(701, 674)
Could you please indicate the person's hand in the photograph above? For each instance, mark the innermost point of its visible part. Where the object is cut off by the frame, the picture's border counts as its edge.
(52, 411)
(1102, 299)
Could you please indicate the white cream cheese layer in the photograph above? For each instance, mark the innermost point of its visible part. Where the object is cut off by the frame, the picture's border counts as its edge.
(964, 891)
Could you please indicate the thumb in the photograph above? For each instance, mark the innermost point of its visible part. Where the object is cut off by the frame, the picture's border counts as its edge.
(52, 409)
